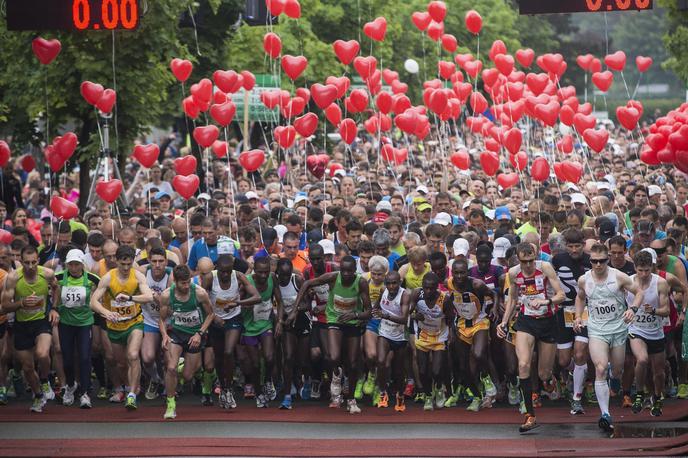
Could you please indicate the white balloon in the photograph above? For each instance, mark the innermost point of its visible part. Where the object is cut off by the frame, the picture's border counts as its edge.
(411, 66)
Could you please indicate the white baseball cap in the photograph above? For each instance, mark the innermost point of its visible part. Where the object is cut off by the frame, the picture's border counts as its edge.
(328, 246)
(204, 195)
(501, 245)
(461, 247)
(579, 198)
(383, 205)
(251, 195)
(571, 186)
(603, 185)
(653, 190)
(75, 256)
(281, 230)
(653, 253)
(443, 219)
(423, 189)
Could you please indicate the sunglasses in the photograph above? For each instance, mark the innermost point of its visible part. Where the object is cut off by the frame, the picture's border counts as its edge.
(599, 261)
(526, 261)
(660, 251)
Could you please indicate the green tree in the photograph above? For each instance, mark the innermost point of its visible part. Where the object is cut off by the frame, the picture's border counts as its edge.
(676, 39)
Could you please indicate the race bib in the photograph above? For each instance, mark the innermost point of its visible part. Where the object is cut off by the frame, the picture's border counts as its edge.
(466, 310)
(288, 303)
(190, 319)
(225, 247)
(431, 325)
(646, 321)
(223, 304)
(570, 316)
(126, 309)
(73, 296)
(529, 310)
(390, 328)
(344, 304)
(262, 311)
(604, 309)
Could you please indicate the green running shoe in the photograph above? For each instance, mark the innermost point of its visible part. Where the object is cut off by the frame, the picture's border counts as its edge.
(131, 403)
(474, 406)
(428, 406)
(490, 389)
(369, 384)
(171, 411)
(358, 392)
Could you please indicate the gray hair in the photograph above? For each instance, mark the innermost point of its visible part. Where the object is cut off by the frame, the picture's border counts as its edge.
(381, 237)
(378, 262)
(557, 244)
(412, 237)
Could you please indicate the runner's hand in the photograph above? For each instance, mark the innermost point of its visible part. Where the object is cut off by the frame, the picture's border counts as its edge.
(121, 297)
(278, 330)
(166, 342)
(577, 325)
(419, 317)
(218, 321)
(377, 313)
(344, 317)
(681, 318)
(628, 316)
(291, 318)
(195, 341)
(501, 330)
(494, 315)
(54, 318)
(112, 317)
(30, 301)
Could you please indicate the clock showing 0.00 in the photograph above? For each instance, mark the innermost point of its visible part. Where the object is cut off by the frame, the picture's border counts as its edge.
(581, 6)
(79, 15)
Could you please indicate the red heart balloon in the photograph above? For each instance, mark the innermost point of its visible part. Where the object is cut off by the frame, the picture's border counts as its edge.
(249, 80)
(628, 117)
(519, 160)
(276, 7)
(294, 66)
(324, 95)
(252, 160)
(489, 161)
(348, 130)
(206, 135)
(146, 154)
(643, 63)
(185, 165)
(665, 156)
(572, 171)
(55, 161)
(285, 136)
(407, 121)
(461, 159)
(226, 80)
(203, 90)
(616, 61)
(584, 122)
(596, 139)
(437, 10)
(566, 115)
(186, 186)
(650, 156)
(537, 82)
(681, 161)
(565, 145)
(46, 50)
(220, 148)
(181, 69)
(223, 113)
(473, 67)
(585, 61)
(603, 80)
(28, 163)
(365, 66)
(316, 164)
(91, 92)
(346, 51)
(6, 237)
(548, 112)
(306, 124)
(446, 69)
(504, 63)
(513, 140)
(525, 57)
(107, 101)
(109, 191)
(294, 107)
(334, 114)
(449, 43)
(435, 30)
(190, 108)
(62, 208)
(376, 30)
(5, 153)
(539, 170)
(272, 45)
(342, 84)
(421, 20)
(292, 8)
(474, 22)
(656, 141)
(507, 180)
(391, 154)
(679, 139)
(478, 103)
(65, 145)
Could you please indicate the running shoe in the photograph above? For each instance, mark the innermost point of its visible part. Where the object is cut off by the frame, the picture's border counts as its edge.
(514, 395)
(206, 400)
(222, 400)
(85, 401)
(38, 404)
(376, 395)
(270, 391)
(102, 393)
(605, 423)
(351, 407)
(410, 385)
(261, 401)
(3, 396)
(117, 397)
(440, 397)
(68, 396)
(682, 392)
(656, 410)
(487, 402)
(529, 425)
(522, 407)
(490, 389)
(249, 391)
(648, 403)
(286, 403)
(217, 387)
(383, 403)
(537, 403)
(48, 392)
(335, 401)
(627, 402)
(474, 406)
(358, 391)
(336, 383)
(345, 385)
(576, 407)
(152, 390)
(590, 396)
(305, 391)
(552, 389)
(131, 403)
(315, 389)
(452, 400)
(369, 384)
(637, 405)
(400, 406)
(171, 411)
(420, 398)
(428, 406)
(231, 401)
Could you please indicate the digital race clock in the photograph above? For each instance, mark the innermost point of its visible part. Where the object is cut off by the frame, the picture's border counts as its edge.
(581, 6)
(72, 14)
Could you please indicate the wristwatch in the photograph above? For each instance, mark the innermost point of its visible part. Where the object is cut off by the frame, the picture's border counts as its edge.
(203, 333)
(131, 298)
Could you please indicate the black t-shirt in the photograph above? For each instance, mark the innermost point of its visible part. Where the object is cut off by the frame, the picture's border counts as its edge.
(628, 268)
(569, 270)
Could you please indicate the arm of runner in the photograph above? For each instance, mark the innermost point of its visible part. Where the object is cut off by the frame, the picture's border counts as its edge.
(145, 293)
(508, 307)
(365, 298)
(97, 297)
(317, 281)
(204, 299)
(250, 290)
(629, 285)
(8, 302)
(164, 314)
(559, 295)
(675, 285)
(277, 298)
(580, 305)
(663, 294)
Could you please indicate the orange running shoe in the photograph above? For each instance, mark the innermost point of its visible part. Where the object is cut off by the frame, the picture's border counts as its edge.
(529, 425)
(536, 401)
(401, 404)
(627, 402)
(384, 400)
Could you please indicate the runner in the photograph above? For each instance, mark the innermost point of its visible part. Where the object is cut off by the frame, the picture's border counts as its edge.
(646, 333)
(535, 290)
(378, 268)
(190, 312)
(126, 290)
(392, 309)
(26, 293)
(602, 290)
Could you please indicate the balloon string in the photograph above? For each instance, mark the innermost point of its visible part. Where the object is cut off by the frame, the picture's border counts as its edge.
(47, 104)
(193, 21)
(189, 241)
(230, 189)
(150, 208)
(625, 85)
(586, 87)
(114, 87)
(606, 32)
(637, 86)
(260, 225)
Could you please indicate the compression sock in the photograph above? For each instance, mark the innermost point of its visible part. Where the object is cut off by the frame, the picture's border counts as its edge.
(208, 379)
(602, 393)
(527, 394)
(579, 373)
(615, 384)
(99, 369)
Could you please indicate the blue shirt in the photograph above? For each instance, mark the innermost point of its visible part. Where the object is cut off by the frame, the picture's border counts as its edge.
(392, 258)
(200, 249)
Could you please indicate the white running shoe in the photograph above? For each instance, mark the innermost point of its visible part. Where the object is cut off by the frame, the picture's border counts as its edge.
(85, 401)
(68, 396)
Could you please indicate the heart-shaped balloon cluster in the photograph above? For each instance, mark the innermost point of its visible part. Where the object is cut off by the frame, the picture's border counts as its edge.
(60, 150)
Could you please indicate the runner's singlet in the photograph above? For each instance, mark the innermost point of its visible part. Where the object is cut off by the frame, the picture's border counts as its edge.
(221, 297)
(532, 288)
(392, 306)
(606, 304)
(151, 310)
(187, 316)
(343, 299)
(129, 311)
(24, 289)
(289, 294)
(257, 320)
(645, 324)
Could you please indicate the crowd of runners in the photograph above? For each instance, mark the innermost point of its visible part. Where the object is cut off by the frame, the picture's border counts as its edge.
(375, 284)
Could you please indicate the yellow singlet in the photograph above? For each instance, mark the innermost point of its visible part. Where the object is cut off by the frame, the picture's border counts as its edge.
(129, 311)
